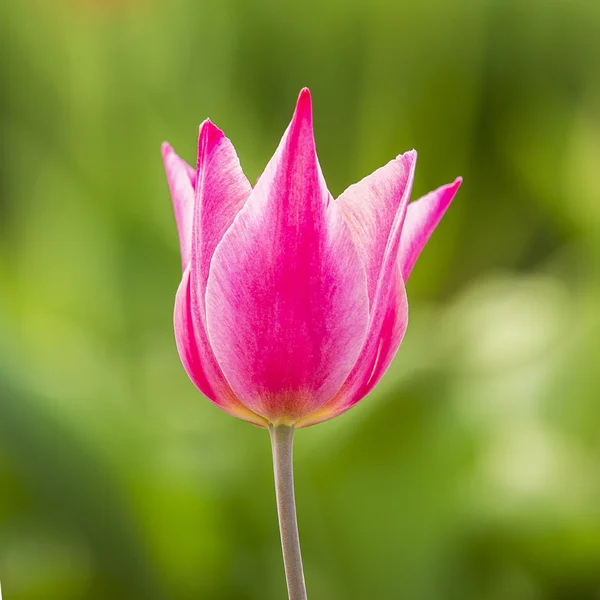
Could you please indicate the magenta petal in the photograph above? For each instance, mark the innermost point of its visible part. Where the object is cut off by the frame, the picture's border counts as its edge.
(186, 339)
(393, 329)
(422, 218)
(391, 332)
(181, 179)
(287, 299)
(200, 365)
(370, 207)
(389, 313)
(221, 191)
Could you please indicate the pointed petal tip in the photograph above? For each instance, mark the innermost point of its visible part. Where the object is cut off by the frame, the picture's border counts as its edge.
(422, 218)
(304, 94)
(210, 130)
(452, 188)
(166, 149)
(303, 106)
(209, 136)
(409, 154)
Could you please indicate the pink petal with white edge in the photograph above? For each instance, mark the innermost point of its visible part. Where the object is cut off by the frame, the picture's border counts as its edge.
(370, 207)
(287, 299)
(186, 339)
(182, 180)
(197, 364)
(221, 190)
(422, 218)
(389, 308)
(393, 329)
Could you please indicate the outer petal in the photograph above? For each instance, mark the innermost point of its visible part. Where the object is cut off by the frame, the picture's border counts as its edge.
(287, 300)
(389, 318)
(186, 338)
(221, 191)
(393, 329)
(182, 180)
(196, 364)
(370, 207)
(421, 219)
(392, 332)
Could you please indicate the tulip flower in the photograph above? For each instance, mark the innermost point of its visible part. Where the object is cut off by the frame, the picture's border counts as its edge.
(292, 305)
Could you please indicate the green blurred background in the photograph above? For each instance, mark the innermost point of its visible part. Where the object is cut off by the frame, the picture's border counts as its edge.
(472, 473)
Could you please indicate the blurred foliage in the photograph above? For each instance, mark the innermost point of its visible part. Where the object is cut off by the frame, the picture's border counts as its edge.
(472, 473)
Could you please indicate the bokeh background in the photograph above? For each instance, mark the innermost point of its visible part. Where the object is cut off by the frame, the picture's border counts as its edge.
(472, 473)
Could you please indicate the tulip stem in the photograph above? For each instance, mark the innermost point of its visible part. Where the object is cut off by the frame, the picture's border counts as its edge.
(281, 440)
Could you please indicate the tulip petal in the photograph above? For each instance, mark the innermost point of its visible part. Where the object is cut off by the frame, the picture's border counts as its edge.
(422, 218)
(198, 364)
(370, 207)
(186, 339)
(221, 190)
(391, 334)
(287, 298)
(182, 180)
(393, 329)
(388, 319)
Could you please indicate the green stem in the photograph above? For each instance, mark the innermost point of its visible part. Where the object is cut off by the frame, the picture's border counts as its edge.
(281, 440)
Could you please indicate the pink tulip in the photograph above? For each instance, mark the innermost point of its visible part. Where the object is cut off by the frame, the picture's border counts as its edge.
(292, 304)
